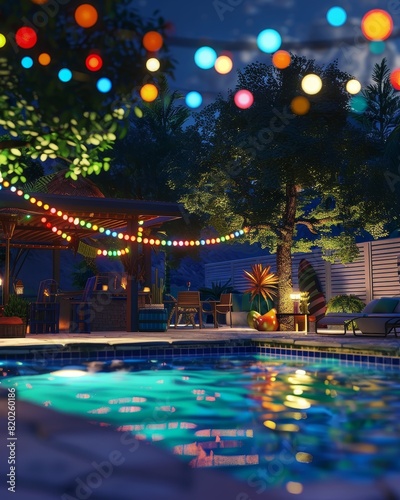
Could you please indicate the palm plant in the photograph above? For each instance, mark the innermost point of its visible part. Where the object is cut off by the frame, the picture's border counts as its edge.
(217, 288)
(262, 283)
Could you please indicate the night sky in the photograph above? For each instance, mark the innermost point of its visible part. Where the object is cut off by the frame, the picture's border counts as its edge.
(234, 28)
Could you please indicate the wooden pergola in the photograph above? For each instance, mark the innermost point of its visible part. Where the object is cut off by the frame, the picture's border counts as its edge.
(22, 226)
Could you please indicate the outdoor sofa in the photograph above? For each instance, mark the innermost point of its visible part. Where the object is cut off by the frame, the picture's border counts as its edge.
(378, 318)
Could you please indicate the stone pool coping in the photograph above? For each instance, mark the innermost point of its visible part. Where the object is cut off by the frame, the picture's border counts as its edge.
(208, 341)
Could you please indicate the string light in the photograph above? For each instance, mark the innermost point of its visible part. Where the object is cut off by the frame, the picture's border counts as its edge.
(122, 235)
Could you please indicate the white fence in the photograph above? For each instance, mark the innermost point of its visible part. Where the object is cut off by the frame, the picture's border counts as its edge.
(374, 274)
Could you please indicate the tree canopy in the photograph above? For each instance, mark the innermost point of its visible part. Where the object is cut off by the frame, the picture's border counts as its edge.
(70, 121)
(294, 179)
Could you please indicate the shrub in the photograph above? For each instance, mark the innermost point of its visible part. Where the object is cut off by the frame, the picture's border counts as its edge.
(345, 303)
(16, 306)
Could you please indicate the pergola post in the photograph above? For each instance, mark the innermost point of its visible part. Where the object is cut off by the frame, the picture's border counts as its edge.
(132, 310)
(56, 264)
(147, 265)
(8, 222)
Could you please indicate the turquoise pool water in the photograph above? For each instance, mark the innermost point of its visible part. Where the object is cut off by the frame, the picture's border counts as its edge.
(265, 420)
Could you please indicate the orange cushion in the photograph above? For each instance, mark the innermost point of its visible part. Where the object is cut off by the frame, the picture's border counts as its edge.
(10, 320)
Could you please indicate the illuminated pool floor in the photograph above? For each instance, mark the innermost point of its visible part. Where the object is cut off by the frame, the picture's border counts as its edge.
(264, 420)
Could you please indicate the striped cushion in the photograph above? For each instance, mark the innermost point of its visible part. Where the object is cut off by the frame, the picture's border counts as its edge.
(308, 282)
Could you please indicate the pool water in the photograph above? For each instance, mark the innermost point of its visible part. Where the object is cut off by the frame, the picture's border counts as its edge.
(265, 420)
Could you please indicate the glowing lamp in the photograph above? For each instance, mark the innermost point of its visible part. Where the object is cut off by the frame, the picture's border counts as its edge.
(281, 59)
(336, 16)
(300, 105)
(358, 104)
(149, 92)
(94, 62)
(3, 40)
(377, 24)
(193, 99)
(395, 78)
(104, 85)
(152, 41)
(223, 65)
(205, 57)
(65, 75)
(19, 287)
(269, 41)
(26, 37)
(311, 84)
(353, 86)
(295, 296)
(86, 15)
(27, 62)
(377, 47)
(44, 59)
(153, 64)
(243, 99)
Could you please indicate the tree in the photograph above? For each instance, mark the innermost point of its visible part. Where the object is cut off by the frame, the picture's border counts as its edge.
(382, 114)
(70, 121)
(142, 161)
(291, 179)
(380, 121)
(150, 163)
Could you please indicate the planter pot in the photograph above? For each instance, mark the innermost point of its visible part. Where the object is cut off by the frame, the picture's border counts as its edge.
(153, 319)
(12, 331)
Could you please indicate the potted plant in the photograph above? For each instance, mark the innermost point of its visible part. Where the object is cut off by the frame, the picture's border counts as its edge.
(214, 293)
(15, 317)
(262, 285)
(304, 302)
(217, 288)
(345, 303)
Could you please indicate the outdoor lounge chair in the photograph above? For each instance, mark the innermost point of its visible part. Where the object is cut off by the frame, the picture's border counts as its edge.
(378, 318)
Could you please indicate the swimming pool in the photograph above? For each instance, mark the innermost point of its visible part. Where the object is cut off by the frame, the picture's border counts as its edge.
(265, 420)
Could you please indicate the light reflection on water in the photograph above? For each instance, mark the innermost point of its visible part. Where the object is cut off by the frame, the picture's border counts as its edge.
(261, 418)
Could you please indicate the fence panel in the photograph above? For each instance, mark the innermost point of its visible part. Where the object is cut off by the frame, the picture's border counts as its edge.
(371, 275)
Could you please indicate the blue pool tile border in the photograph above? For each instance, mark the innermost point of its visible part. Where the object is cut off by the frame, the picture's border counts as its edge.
(55, 355)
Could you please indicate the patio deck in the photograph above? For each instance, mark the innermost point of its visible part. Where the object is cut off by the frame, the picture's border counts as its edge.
(115, 341)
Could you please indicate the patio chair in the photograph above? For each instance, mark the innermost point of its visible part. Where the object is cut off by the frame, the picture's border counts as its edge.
(188, 303)
(81, 309)
(224, 306)
(44, 314)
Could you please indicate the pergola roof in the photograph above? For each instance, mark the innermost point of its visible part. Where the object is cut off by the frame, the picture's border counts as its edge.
(109, 213)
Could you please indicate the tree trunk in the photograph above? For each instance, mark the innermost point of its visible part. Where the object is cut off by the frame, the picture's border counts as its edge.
(284, 258)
